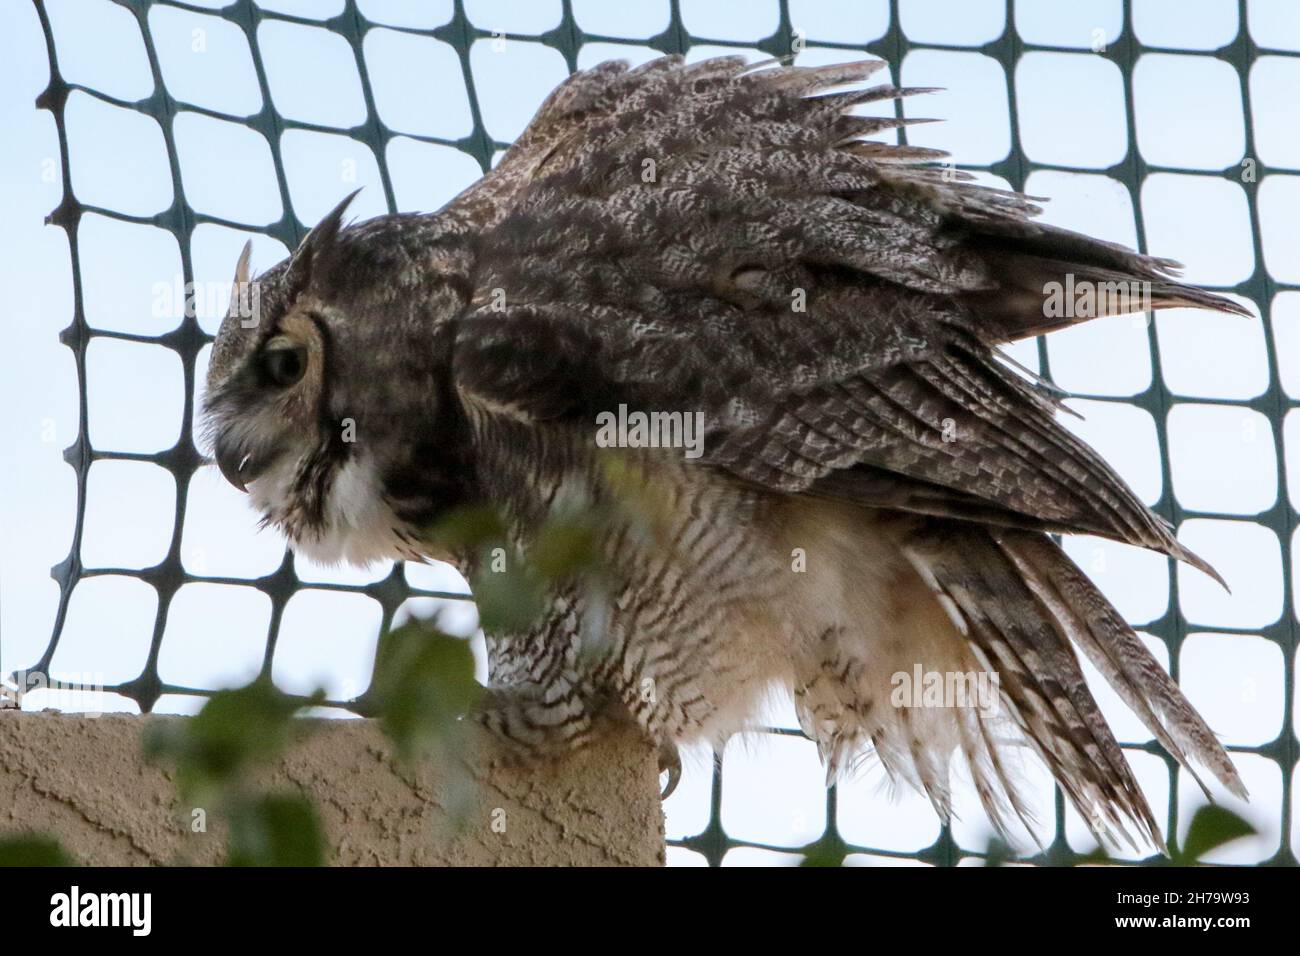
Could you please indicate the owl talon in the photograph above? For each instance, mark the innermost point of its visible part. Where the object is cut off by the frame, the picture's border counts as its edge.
(670, 762)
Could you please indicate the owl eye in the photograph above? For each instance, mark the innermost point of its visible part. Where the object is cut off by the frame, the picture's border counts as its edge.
(284, 364)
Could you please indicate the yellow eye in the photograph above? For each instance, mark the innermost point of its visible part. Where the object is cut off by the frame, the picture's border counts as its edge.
(284, 362)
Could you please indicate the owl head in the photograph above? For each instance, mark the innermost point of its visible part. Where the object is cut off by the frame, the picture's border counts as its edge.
(328, 400)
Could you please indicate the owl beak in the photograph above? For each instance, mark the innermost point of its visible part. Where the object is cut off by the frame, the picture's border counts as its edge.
(236, 465)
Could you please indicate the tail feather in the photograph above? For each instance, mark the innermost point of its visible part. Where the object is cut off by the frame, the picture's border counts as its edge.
(994, 784)
(1020, 603)
(1121, 657)
(1031, 260)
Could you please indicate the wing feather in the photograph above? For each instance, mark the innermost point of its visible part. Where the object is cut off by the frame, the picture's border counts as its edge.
(719, 237)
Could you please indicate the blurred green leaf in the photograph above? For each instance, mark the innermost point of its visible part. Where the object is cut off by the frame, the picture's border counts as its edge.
(828, 851)
(998, 853)
(1211, 827)
(235, 730)
(469, 530)
(33, 850)
(509, 601)
(275, 831)
(423, 684)
(566, 546)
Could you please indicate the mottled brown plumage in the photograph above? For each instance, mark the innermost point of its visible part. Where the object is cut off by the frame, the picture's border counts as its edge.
(875, 485)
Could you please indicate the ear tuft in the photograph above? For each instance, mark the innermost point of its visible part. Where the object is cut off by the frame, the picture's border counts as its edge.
(241, 267)
(239, 291)
(316, 244)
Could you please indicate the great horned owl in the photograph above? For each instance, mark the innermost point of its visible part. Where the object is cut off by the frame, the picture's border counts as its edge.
(724, 241)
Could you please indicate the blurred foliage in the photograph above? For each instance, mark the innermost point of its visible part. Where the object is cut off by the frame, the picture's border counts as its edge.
(33, 850)
(1212, 826)
(999, 853)
(830, 850)
(423, 684)
(215, 753)
(511, 586)
(421, 689)
(235, 731)
(511, 583)
(274, 830)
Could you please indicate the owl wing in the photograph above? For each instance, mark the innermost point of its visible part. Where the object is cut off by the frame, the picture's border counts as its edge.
(723, 239)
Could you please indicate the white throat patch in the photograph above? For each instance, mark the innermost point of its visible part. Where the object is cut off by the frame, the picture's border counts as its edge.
(359, 527)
